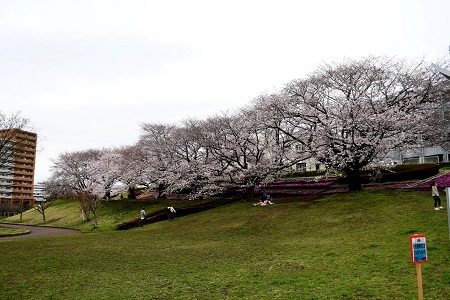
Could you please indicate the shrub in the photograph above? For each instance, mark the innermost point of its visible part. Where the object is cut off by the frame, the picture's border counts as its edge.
(161, 214)
(444, 164)
(411, 172)
(304, 173)
(398, 173)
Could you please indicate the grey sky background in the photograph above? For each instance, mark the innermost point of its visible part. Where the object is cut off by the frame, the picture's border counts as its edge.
(88, 73)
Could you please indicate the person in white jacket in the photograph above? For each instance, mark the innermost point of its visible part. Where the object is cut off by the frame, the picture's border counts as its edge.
(143, 215)
(171, 212)
(435, 195)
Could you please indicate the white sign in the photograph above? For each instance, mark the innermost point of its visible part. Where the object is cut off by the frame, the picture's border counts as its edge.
(418, 244)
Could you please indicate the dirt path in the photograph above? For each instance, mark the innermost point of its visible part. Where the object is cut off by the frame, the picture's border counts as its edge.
(37, 231)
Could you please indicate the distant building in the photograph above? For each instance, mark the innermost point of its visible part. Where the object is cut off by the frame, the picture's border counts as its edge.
(309, 164)
(39, 194)
(17, 172)
(420, 155)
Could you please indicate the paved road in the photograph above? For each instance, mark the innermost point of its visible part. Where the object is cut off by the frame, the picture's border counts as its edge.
(37, 231)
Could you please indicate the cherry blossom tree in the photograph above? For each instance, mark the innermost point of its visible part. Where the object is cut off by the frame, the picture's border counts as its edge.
(346, 115)
(226, 139)
(155, 144)
(74, 172)
(350, 115)
(191, 159)
(106, 173)
(178, 159)
(281, 133)
(437, 131)
(244, 149)
(133, 165)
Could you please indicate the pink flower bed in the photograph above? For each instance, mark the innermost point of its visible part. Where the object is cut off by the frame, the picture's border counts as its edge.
(176, 197)
(147, 195)
(442, 181)
(294, 191)
(385, 187)
(306, 186)
(304, 181)
(299, 185)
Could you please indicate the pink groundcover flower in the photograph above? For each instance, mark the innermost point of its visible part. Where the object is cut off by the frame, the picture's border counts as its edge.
(314, 186)
(442, 181)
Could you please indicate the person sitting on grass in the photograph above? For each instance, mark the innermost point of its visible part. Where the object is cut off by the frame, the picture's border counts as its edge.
(260, 202)
(269, 200)
(264, 195)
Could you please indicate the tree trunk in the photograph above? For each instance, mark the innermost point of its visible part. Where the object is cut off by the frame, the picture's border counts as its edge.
(353, 180)
(95, 220)
(249, 191)
(161, 190)
(131, 193)
(95, 202)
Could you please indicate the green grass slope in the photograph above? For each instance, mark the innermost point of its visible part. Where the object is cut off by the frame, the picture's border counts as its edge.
(67, 213)
(343, 246)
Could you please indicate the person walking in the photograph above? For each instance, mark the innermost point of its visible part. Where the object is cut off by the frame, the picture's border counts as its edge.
(143, 215)
(435, 195)
(378, 176)
(171, 213)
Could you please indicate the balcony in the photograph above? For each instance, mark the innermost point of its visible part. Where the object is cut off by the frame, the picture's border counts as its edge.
(22, 172)
(22, 185)
(19, 194)
(24, 160)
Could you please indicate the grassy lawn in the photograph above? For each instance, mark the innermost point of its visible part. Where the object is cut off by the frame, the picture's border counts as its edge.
(343, 246)
(11, 231)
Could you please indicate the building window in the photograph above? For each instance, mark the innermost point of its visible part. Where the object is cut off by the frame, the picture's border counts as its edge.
(412, 160)
(300, 166)
(431, 159)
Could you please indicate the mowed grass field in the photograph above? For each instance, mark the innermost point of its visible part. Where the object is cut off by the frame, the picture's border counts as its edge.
(342, 246)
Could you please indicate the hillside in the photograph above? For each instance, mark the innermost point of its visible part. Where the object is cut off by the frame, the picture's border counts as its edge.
(67, 213)
(342, 246)
(114, 213)
(124, 214)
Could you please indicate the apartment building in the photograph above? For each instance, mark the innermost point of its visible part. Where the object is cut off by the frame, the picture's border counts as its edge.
(17, 164)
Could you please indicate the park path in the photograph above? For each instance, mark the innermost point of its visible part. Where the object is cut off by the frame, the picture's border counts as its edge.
(37, 231)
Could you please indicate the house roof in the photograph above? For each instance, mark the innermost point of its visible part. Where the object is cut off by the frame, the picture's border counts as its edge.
(443, 71)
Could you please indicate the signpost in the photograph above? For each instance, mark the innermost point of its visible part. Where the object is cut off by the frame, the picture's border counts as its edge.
(418, 248)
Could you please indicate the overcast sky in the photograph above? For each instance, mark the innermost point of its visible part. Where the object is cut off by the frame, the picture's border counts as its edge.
(88, 73)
